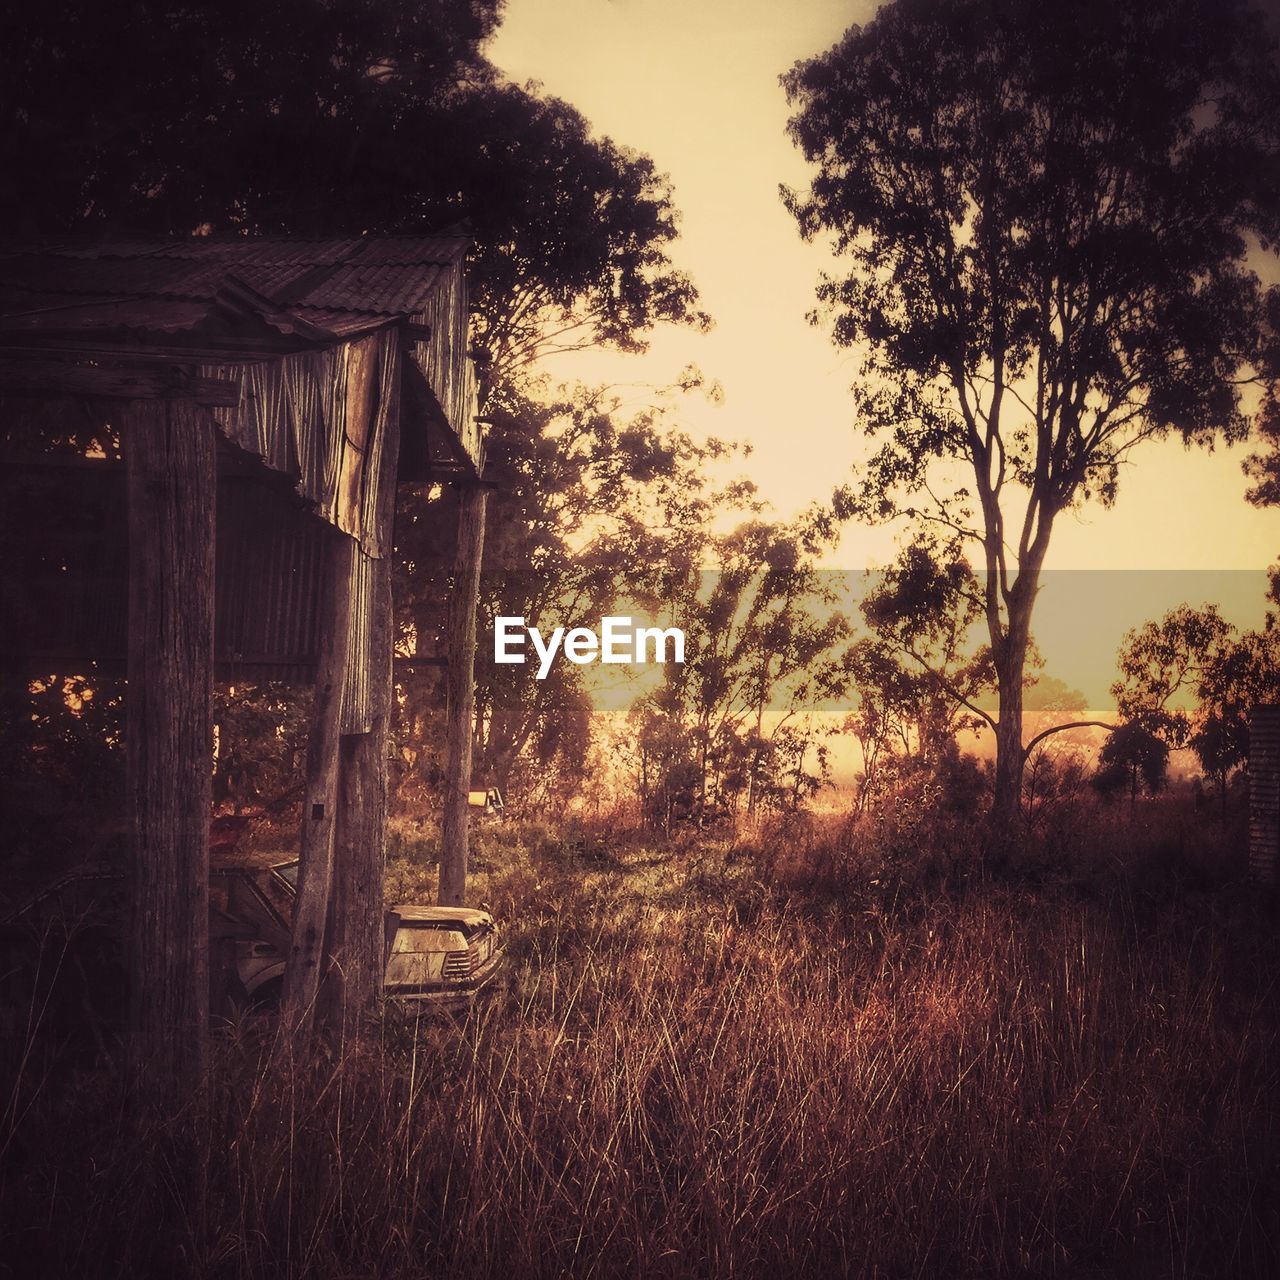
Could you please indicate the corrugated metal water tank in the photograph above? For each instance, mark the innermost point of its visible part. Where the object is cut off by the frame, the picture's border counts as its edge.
(1264, 794)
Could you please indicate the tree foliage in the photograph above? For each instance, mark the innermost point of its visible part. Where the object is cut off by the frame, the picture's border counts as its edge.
(918, 672)
(1045, 214)
(1263, 467)
(339, 117)
(328, 118)
(765, 656)
(599, 508)
(261, 738)
(1165, 665)
(1131, 758)
(1191, 680)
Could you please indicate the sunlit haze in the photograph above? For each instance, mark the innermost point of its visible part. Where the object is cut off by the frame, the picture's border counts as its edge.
(696, 87)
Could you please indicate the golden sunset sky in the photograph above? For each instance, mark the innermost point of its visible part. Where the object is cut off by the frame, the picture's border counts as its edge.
(695, 85)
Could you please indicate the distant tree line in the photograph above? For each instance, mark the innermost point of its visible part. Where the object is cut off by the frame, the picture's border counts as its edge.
(1042, 219)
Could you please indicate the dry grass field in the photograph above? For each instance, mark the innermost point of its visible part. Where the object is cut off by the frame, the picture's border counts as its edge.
(801, 1054)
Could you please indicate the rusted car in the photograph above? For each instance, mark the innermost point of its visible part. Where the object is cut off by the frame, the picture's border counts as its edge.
(435, 956)
(440, 955)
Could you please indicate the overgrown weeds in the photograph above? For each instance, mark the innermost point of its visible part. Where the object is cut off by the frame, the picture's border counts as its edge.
(700, 1066)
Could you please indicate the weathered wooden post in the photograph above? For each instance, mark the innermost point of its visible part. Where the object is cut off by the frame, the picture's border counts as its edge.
(306, 961)
(170, 460)
(1264, 794)
(353, 981)
(472, 504)
(356, 929)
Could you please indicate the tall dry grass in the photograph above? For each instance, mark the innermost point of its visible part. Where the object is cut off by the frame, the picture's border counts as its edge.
(694, 1071)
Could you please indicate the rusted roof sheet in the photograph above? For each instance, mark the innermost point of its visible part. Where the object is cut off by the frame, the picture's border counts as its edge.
(233, 301)
(322, 417)
(373, 277)
(387, 289)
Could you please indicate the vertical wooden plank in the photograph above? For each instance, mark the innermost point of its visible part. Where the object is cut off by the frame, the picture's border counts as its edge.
(171, 470)
(306, 961)
(473, 500)
(356, 932)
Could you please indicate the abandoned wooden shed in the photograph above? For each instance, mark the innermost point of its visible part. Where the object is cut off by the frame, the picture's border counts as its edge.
(268, 394)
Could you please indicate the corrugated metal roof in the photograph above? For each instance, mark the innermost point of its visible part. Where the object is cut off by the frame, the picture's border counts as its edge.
(389, 290)
(239, 301)
(134, 277)
(35, 313)
(273, 250)
(342, 323)
(382, 277)
(402, 250)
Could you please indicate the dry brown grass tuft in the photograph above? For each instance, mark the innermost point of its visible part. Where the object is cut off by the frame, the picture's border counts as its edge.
(695, 1073)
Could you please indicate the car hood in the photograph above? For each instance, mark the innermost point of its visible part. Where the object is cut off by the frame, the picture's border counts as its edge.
(466, 920)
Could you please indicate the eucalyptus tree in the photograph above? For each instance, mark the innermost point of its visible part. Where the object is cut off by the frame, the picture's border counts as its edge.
(1044, 212)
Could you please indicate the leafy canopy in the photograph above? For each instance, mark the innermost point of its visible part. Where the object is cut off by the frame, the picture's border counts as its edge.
(1191, 680)
(339, 117)
(739, 722)
(601, 507)
(1045, 212)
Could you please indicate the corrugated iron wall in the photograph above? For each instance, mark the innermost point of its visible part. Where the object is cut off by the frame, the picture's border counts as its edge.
(320, 418)
(1264, 794)
(270, 560)
(64, 589)
(319, 421)
(444, 360)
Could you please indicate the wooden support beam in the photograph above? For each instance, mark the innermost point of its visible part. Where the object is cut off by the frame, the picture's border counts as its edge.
(171, 469)
(307, 956)
(44, 376)
(356, 926)
(472, 503)
(353, 983)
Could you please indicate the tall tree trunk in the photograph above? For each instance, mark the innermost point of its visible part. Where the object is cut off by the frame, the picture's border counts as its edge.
(170, 456)
(473, 500)
(1009, 651)
(1011, 664)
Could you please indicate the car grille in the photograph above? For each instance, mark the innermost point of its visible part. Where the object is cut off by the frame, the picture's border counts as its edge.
(459, 964)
